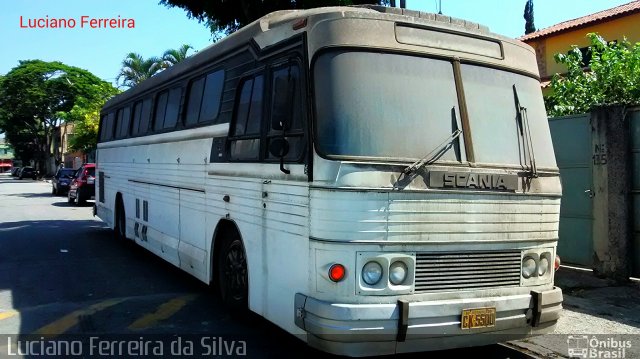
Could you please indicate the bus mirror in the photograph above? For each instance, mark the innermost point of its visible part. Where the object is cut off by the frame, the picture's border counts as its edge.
(281, 114)
(279, 147)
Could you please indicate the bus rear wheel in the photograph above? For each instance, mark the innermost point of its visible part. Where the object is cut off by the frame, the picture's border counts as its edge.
(121, 221)
(232, 275)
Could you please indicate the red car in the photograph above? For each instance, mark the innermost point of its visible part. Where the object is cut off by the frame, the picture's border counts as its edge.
(83, 184)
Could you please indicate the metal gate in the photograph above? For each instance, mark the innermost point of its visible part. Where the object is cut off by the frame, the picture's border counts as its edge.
(634, 124)
(571, 137)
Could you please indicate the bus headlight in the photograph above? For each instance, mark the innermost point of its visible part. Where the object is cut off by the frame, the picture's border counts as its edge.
(528, 267)
(397, 272)
(372, 273)
(543, 266)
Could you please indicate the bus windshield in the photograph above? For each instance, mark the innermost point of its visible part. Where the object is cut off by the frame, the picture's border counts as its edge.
(398, 107)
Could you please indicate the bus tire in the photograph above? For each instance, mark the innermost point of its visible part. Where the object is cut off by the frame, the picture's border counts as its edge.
(120, 226)
(232, 275)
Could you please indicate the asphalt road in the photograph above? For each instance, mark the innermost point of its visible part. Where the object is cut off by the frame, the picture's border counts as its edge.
(63, 277)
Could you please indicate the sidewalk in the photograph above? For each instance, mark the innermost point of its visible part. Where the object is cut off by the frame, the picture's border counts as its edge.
(593, 308)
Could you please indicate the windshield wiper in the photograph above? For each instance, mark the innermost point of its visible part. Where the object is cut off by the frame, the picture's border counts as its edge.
(421, 162)
(525, 133)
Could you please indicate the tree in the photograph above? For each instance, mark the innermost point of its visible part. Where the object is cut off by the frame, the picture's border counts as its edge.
(86, 120)
(136, 69)
(224, 16)
(529, 26)
(173, 56)
(36, 97)
(612, 79)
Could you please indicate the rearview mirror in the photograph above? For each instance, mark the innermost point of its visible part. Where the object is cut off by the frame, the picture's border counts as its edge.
(279, 147)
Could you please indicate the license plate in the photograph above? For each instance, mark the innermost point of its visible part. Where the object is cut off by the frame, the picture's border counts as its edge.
(478, 318)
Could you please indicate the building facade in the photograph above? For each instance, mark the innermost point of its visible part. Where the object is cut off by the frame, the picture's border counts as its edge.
(64, 155)
(6, 156)
(613, 24)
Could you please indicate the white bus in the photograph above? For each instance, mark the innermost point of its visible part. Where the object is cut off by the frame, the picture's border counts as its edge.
(370, 179)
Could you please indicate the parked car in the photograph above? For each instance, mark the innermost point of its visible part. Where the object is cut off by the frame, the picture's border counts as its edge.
(83, 184)
(61, 180)
(28, 172)
(14, 171)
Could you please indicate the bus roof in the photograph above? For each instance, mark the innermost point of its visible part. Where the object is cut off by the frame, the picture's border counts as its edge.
(253, 31)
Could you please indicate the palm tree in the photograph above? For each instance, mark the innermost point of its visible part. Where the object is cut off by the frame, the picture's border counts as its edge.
(136, 69)
(173, 56)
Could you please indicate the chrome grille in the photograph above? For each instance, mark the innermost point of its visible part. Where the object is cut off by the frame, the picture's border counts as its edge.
(467, 270)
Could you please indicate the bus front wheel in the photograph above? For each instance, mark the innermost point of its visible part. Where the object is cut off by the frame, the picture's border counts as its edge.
(232, 275)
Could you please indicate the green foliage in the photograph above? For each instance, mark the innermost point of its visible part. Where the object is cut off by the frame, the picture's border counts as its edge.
(174, 56)
(224, 16)
(136, 68)
(613, 78)
(85, 132)
(37, 96)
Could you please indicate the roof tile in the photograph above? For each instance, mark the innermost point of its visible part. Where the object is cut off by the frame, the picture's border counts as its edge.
(597, 17)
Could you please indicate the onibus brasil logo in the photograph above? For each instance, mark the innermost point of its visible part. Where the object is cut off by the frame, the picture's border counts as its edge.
(583, 346)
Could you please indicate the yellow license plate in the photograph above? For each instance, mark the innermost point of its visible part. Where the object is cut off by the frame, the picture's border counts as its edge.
(478, 318)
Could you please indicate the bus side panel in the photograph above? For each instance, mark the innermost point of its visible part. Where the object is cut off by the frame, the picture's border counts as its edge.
(244, 207)
(164, 217)
(286, 249)
(272, 217)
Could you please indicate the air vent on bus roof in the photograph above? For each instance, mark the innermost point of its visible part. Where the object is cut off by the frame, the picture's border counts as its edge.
(427, 16)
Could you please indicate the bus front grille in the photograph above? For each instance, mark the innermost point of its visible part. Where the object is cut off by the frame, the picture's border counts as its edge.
(466, 270)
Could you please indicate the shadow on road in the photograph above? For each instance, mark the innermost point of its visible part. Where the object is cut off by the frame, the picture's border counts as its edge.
(50, 269)
(29, 195)
(66, 203)
(15, 180)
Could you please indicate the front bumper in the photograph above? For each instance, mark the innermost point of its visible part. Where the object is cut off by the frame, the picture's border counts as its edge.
(62, 187)
(376, 329)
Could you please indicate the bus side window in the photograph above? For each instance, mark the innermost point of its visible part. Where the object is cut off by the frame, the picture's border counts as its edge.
(103, 128)
(287, 110)
(118, 123)
(195, 100)
(137, 112)
(173, 108)
(145, 116)
(125, 124)
(245, 141)
(107, 127)
(161, 107)
(212, 96)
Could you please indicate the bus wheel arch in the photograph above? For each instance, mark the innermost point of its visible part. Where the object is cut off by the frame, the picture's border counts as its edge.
(229, 268)
(119, 218)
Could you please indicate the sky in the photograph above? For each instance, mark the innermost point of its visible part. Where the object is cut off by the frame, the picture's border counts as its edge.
(158, 28)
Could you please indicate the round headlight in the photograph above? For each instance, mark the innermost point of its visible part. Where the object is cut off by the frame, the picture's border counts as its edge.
(528, 267)
(372, 273)
(398, 272)
(543, 266)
